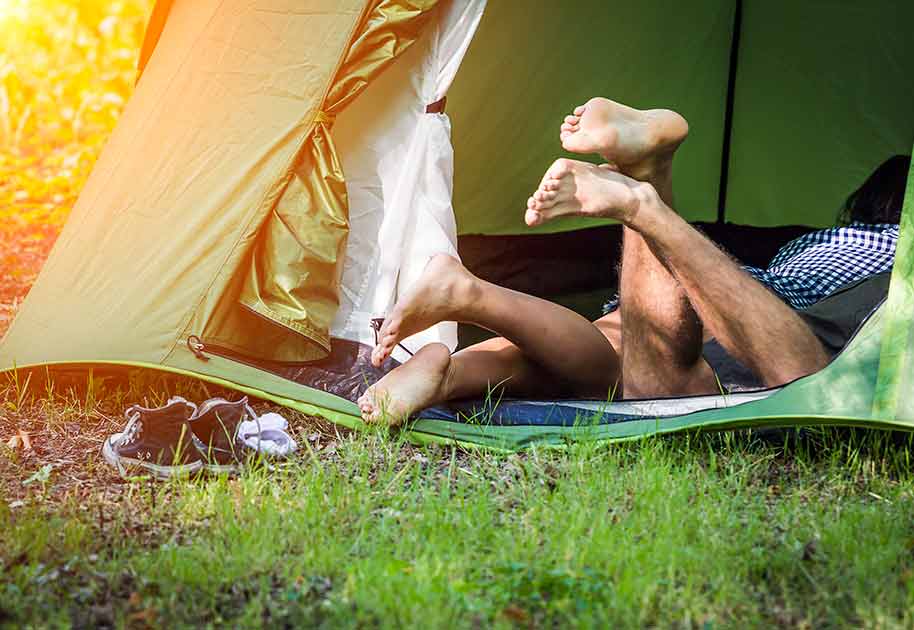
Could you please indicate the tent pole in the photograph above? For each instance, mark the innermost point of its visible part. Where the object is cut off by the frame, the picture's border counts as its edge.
(728, 112)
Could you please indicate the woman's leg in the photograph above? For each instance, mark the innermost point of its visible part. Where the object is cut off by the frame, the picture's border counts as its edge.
(531, 360)
(552, 336)
(546, 349)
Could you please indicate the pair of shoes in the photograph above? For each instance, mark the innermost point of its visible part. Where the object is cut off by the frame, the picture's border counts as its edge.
(180, 439)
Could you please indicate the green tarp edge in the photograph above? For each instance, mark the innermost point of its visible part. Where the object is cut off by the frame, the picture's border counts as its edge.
(766, 413)
(517, 438)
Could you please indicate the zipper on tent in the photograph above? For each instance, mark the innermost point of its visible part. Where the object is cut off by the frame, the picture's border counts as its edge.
(225, 353)
(195, 345)
(264, 365)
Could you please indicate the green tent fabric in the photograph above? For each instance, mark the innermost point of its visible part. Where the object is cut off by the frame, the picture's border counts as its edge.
(822, 95)
(175, 202)
(514, 89)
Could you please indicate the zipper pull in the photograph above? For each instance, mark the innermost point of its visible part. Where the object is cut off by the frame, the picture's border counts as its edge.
(195, 345)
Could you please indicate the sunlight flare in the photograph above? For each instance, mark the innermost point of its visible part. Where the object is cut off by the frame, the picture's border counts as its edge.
(13, 8)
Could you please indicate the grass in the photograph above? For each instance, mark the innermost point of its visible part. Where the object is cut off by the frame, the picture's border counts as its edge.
(811, 529)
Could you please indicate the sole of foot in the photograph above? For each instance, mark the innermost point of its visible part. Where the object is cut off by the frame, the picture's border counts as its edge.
(636, 141)
(574, 188)
(413, 386)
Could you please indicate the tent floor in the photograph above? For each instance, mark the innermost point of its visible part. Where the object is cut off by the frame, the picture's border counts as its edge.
(567, 413)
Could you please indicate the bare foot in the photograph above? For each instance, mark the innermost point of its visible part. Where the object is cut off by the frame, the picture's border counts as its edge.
(443, 291)
(573, 188)
(635, 141)
(413, 386)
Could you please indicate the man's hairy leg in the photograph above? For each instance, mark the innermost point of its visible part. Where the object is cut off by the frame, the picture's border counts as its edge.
(660, 333)
(750, 322)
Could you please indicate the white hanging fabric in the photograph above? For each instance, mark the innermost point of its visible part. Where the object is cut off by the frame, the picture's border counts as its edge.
(399, 167)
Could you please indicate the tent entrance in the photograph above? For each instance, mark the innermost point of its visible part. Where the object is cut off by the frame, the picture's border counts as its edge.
(579, 268)
(161, 239)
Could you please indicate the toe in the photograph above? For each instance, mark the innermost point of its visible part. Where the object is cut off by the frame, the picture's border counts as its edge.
(579, 142)
(389, 341)
(391, 325)
(545, 196)
(378, 355)
(542, 215)
(559, 169)
(572, 120)
(366, 410)
(579, 110)
(553, 184)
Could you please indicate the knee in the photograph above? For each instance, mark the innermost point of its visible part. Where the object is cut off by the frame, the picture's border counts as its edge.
(793, 367)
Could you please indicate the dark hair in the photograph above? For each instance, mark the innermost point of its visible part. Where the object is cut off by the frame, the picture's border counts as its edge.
(880, 198)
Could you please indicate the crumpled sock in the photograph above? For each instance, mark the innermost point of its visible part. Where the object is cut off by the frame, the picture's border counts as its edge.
(268, 435)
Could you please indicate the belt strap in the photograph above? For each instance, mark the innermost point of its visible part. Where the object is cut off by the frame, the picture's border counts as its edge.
(437, 107)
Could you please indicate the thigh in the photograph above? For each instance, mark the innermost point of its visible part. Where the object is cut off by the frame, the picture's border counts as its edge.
(611, 327)
(498, 363)
(699, 379)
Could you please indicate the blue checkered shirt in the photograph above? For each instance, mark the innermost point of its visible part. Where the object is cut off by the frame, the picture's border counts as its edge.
(811, 267)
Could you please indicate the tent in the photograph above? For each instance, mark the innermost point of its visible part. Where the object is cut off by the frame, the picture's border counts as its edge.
(285, 168)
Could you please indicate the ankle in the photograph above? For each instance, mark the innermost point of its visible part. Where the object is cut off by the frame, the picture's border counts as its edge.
(657, 169)
(465, 293)
(647, 205)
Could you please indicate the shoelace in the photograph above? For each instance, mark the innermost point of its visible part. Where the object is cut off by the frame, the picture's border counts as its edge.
(133, 428)
(135, 423)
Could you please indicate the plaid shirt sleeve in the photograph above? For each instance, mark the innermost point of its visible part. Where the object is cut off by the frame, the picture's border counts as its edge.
(815, 265)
